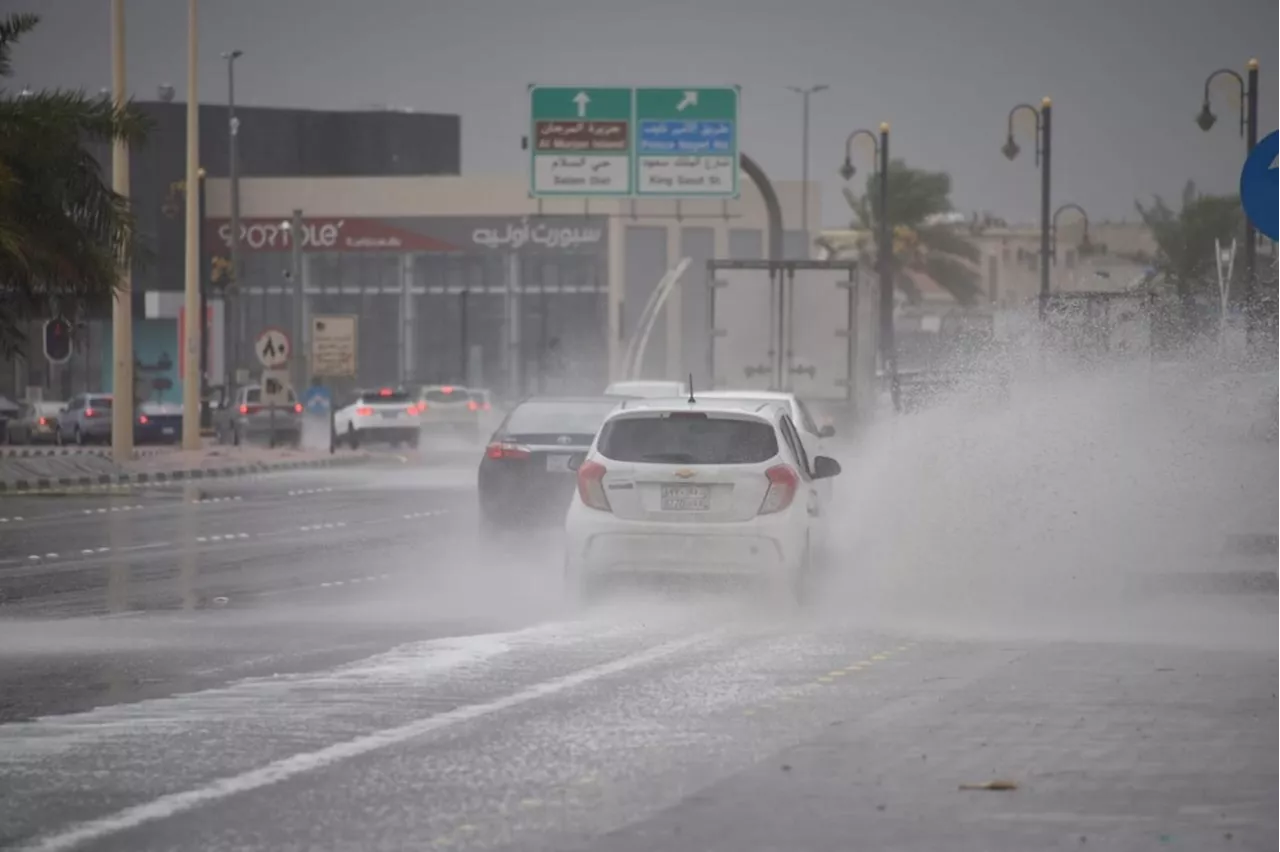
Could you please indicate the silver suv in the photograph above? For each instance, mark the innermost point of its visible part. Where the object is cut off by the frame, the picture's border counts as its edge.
(244, 418)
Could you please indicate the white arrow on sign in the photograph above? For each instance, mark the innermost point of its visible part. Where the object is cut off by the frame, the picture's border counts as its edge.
(582, 99)
(689, 99)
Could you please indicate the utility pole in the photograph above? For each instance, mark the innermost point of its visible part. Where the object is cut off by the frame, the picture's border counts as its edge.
(300, 354)
(122, 306)
(194, 331)
(233, 289)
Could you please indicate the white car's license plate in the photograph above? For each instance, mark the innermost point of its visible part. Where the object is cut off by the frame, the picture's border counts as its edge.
(686, 498)
(390, 414)
(558, 464)
(168, 430)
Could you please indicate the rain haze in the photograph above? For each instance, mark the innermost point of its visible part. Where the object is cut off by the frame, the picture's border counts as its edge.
(583, 464)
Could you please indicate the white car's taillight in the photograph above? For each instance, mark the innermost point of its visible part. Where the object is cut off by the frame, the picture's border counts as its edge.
(591, 486)
(783, 485)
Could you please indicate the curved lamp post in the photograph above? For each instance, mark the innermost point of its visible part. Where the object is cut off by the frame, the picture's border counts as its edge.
(1044, 150)
(1249, 130)
(884, 249)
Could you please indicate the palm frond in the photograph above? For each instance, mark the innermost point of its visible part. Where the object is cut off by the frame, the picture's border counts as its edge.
(12, 29)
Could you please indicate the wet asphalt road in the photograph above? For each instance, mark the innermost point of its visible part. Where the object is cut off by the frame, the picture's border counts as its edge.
(331, 660)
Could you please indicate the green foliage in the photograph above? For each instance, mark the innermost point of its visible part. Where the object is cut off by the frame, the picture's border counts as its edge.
(64, 234)
(1185, 237)
(919, 247)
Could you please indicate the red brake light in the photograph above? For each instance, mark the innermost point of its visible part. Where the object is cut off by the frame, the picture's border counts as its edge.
(413, 409)
(783, 485)
(142, 419)
(499, 450)
(88, 412)
(364, 411)
(244, 409)
(297, 408)
(446, 389)
(43, 422)
(385, 392)
(471, 406)
(591, 486)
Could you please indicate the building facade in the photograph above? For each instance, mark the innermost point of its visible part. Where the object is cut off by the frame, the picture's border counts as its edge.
(271, 141)
(467, 279)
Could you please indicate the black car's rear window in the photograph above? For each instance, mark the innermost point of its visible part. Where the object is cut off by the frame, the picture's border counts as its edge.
(688, 438)
(442, 395)
(564, 418)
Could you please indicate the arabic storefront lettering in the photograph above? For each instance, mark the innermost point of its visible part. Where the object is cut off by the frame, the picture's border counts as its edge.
(548, 235)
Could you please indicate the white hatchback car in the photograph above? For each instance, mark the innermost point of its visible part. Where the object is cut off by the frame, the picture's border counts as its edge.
(704, 487)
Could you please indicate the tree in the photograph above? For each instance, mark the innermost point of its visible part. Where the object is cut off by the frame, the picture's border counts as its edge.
(1184, 238)
(921, 243)
(64, 234)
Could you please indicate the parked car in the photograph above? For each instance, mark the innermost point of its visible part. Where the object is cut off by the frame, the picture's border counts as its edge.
(36, 423)
(86, 419)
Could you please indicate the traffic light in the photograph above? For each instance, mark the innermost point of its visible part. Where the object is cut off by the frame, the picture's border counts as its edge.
(57, 341)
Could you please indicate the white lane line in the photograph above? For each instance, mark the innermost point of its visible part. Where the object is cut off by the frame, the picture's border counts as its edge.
(15, 519)
(282, 770)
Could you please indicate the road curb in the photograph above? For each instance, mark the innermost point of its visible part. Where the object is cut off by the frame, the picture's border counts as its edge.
(110, 481)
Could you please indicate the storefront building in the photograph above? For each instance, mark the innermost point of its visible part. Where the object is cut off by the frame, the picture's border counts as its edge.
(468, 280)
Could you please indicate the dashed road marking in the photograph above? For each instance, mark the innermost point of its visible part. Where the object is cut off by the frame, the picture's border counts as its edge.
(230, 499)
(103, 510)
(315, 527)
(205, 539)
(15, 519)
(415, 515)
(299, 492)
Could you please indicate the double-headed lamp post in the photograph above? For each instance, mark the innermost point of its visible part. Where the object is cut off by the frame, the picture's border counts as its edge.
(1249, 130)
(1044, 151)
(884, 244)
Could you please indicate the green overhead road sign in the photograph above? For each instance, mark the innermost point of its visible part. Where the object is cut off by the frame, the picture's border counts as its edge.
(580, 141)
(687, 142)
(672, 142)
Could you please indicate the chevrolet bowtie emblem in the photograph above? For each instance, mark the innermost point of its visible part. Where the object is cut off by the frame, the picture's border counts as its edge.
(684, 474)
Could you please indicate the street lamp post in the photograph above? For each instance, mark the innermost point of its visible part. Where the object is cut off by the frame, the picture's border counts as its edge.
(884, 248)
(1249, 130)
(232, 290)
(804, 210)
(1044, 151)
(204, 301)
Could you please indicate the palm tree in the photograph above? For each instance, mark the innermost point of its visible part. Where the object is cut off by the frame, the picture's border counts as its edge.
(64, 234)
(1185, 254)
(922, 244)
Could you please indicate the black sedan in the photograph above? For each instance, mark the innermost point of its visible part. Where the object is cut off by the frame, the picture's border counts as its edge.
(525, 478)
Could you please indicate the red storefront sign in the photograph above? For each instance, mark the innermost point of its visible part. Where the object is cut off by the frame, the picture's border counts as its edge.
(323, 234)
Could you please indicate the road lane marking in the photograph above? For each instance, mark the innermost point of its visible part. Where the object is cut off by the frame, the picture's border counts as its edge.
(278, 771)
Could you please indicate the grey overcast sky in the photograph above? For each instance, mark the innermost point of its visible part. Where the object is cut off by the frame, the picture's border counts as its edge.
(1125, 75)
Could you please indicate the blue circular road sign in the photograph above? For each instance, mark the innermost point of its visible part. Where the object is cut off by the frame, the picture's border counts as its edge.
(317, 400)
(1258, 186)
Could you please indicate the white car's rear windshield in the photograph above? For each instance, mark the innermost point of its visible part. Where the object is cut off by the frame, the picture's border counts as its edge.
(687, 437)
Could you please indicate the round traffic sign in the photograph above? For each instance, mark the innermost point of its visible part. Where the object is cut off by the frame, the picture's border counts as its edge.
(273, 348)
(1258, 186)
